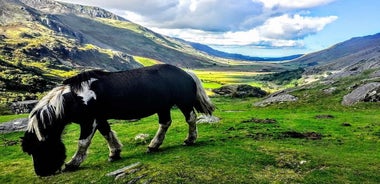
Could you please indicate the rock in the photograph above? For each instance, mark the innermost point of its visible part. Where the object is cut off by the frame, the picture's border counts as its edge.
(208, 119)
(277, 98)
(329, 91)
(365, 93)
(14, 125)
(125, 169)
(375, 74)
(23, 107)
(240, 91)
(142, 138)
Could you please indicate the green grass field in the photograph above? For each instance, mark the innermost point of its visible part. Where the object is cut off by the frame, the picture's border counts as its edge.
(340, 145)
(313, 140)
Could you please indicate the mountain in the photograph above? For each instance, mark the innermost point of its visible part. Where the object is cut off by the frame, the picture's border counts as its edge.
(207, 49)
(43, 41)
(347, 58)
(95, 26)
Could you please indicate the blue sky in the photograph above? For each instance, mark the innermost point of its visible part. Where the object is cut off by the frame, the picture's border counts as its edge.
(265, 28)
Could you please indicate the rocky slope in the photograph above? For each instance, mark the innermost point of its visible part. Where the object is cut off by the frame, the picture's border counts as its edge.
(44, 41)
(348, 58)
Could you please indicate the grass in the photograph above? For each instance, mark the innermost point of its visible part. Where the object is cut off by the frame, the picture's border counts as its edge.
(216, 79)
(232, 151)
(146, 61)
(313, 140)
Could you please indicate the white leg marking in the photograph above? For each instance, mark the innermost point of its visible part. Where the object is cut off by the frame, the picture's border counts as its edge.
(114, 144)
(160, 136)
(81, 154)
(193, 132)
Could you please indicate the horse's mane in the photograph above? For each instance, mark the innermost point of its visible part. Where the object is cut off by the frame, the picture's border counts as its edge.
(48, 108)
(76, 82)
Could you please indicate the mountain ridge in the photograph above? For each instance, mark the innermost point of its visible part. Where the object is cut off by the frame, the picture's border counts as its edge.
(348, 58)
(217, 53)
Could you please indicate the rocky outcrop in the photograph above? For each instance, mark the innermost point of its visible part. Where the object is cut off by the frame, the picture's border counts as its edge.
(55, 7)
(13, 126)
(208, 119)
(278, 98)
(369, 92)
(240, 91)
(23, 107)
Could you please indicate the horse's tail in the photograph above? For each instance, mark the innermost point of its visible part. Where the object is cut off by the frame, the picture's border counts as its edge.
(203, 103)
(48, 108)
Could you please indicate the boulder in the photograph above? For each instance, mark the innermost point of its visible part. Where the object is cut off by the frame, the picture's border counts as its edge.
(14, 125)
(240, 91)
(369, 92)
(23, 107)
(278, 98)
(208, 119)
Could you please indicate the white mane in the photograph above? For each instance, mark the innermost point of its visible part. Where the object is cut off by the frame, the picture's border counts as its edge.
(50, 104)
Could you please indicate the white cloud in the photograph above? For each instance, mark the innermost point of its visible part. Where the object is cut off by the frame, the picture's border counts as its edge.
(281, 31)
(278, 4)
(293, 27)
(271, 23)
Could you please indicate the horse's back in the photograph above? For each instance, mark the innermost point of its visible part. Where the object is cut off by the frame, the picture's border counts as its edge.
(142, 92)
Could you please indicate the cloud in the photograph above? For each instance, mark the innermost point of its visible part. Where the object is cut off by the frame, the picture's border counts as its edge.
(296, 4)
(272, 23)
(292, 27)
(282, 31)
(207, 15)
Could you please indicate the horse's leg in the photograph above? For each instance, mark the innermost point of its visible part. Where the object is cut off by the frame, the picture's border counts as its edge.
(87, 131)
(114, 144)
(191, 119)
(164, 123)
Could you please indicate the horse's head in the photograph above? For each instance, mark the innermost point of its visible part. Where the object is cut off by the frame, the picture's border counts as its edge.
(48, 155)
(42, 139)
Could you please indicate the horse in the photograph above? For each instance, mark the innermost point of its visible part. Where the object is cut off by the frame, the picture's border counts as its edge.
(91, 98)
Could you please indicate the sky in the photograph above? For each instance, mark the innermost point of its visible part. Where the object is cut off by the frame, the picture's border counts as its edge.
(263, 28)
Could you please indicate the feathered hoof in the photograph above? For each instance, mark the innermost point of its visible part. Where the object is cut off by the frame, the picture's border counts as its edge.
(152, 150)
(114, 158)
(188, 143)
(69, 168)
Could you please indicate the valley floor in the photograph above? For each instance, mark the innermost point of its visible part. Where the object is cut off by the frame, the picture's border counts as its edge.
(298, 142)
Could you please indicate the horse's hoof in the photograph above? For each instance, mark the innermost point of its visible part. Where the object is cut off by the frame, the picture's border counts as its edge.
(188, 143)
(69, 167)
(151, 150)
(114, 158)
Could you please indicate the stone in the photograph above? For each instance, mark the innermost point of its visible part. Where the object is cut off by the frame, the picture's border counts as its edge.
(207, 119)
(279, 98)
(14, 125)
(329, 91)
(240, 91)
(369, 92)
(23, 107)
(142, 138)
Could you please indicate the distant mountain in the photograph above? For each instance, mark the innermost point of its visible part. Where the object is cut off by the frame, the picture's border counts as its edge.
(44, 41)
(207, 49)
(343, 59)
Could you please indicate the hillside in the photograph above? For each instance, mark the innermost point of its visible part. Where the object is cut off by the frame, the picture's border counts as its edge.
(44, 41)
(92, 25)
(347, 58)
(312, 140)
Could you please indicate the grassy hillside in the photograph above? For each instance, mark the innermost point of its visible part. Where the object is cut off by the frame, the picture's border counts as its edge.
(43, 42)
(313, 140)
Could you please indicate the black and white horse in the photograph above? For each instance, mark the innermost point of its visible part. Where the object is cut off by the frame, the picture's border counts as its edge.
(91, 98)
